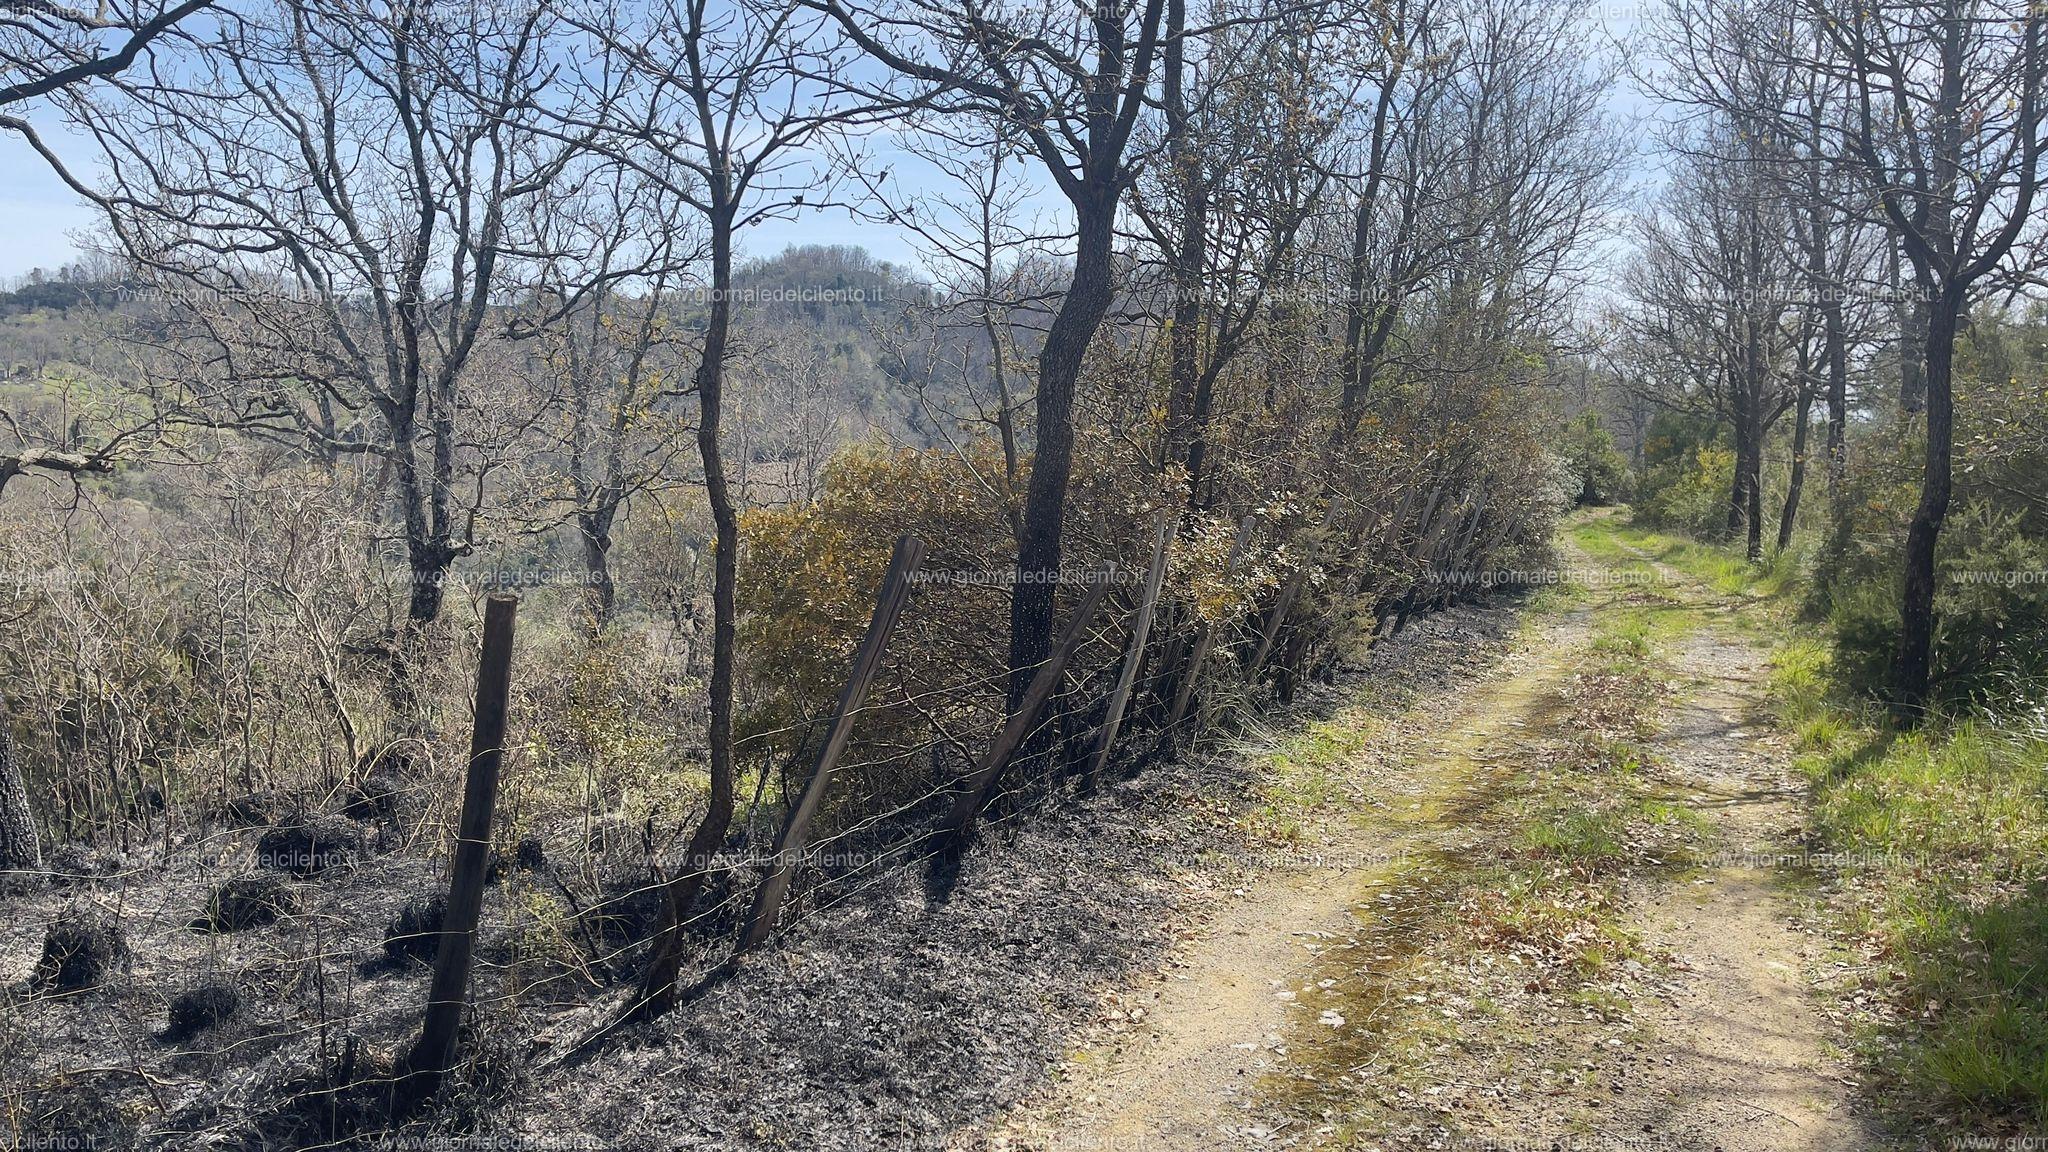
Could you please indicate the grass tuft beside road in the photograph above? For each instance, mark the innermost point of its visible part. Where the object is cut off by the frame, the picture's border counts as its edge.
(1943, 835)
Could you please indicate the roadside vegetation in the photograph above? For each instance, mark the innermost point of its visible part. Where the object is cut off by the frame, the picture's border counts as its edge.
(1937, 843)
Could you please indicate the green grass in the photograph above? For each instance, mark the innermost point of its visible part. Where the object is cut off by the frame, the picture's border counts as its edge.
(1939, 843)
(1304, 773)
(1945, 834)
(1592, 817)
(1567, 833)
(1586, 842)
(1721, 569)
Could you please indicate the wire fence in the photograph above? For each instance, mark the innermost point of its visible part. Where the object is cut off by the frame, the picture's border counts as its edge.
(564, 935)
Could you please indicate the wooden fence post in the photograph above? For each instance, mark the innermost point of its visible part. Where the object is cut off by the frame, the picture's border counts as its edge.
(1206, 638)
(959, 824)
(1141, 627)
(789, 843)
(434, 1054)
(1285, 603)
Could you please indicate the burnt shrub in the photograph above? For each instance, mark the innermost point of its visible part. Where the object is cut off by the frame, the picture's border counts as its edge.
(75, 865)
(380, 795)
(330, 1104)
(81, 950)
(200, 1007)
(626, 912)
(415, 933)
(253, 808)
(249, 901)
(529, 856)
(309, 843)
(382, 787)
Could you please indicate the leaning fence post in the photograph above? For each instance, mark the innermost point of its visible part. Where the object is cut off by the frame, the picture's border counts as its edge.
(435, 1051)
(1141, 628)
(789, 843)
(1206, 638)
(1285, 603)
(959, 824)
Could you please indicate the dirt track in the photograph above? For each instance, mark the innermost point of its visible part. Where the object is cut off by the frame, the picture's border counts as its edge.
(1725, 1051)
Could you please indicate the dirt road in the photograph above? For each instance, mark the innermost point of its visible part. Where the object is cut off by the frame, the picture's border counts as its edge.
(1291, 1020)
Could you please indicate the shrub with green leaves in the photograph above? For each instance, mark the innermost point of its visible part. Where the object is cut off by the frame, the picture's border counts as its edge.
(1991, 618)
(1695, 500)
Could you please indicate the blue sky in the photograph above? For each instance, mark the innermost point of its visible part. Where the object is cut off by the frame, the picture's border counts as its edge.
(46, 226)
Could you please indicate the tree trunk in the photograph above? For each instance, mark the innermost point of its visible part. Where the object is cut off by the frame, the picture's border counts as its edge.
(1753, 547)
(657, 993)
(1916, 613)
(20, 850)
(1914, 348)
(1835, 331)
(1798, 481)
(1738, 496)
(428, 557)
(1059, 370)
(600, 593)
(1183, 439)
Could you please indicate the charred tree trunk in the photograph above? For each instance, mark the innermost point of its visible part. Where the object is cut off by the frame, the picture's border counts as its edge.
(20, 849)
(1753, 546)
(657, 992)
(428, 555)
(1059, 370)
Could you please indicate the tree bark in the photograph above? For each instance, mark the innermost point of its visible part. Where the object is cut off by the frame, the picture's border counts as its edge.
(600, 593)
(1738, 484)
(1183, 439)
(1790, 514)
(1916, 613)
(1059, 370)
(20, 849)
(1914, 339)
(1835, 332)
(657, 992)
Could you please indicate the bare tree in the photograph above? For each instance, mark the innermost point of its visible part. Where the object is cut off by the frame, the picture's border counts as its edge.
(973, 233)
(1946, 133)
(714, 106)
(46, 48)
(1248, 143)
(599, 315)
(327, 193)
(1073, 82)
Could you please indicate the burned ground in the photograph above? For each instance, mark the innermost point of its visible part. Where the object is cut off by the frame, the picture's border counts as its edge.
(877, 1019)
